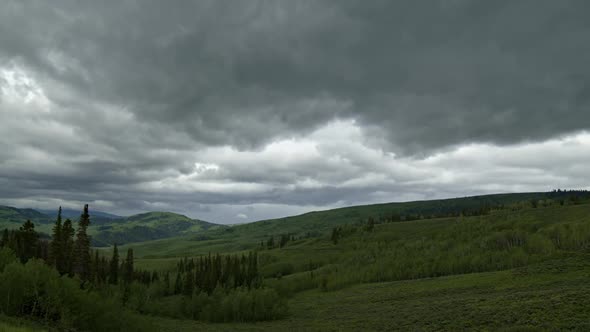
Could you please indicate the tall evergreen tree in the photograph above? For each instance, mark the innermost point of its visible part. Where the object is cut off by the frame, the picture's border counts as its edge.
(29, 240)
(67, 248)
(55, 250)
(167, 283)
(82, 246)
(128, 267)
(5, 238)
(177, 284)
(114, 267)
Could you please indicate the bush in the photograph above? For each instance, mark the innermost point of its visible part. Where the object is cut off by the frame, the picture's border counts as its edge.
(36, 290)
(240, 305)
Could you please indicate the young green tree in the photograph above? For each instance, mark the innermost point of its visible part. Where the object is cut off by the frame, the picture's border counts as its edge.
(114, 267)
(82, 247)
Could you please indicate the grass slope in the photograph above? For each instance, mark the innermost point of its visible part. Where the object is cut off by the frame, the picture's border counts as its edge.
(548, 296)
(314, 224)
(407, 276)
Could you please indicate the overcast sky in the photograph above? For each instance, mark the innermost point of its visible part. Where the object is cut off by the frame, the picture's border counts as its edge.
(233, 111)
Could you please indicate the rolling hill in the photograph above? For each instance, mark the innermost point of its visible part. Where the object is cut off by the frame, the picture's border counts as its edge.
(320, 223)
(147, 226)
(106, 230)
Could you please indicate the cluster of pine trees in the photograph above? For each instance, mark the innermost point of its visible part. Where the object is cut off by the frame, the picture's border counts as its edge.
(282, 241)
(25, 242)
(70, 254)
(207, 273)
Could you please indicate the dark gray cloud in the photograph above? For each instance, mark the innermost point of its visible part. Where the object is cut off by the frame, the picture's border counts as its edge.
(428, 74)
(125, 103)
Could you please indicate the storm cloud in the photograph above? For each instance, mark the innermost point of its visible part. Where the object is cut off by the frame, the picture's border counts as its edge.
(239, 110)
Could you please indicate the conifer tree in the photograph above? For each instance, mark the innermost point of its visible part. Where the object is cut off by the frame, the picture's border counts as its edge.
(5, 239)
(177, 284)
(29, 240)
(67, 248)
(128, 268)
(189, 284)
(167, 283)
(82, 246)
(114, 267)
(95, 268)
(55, 250)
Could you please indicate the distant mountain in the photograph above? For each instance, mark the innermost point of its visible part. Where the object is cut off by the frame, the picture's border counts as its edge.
(75, 214)
(9, 214)
(147, 226)
(106, 228)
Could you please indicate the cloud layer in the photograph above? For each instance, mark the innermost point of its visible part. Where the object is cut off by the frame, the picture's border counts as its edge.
(235, 111)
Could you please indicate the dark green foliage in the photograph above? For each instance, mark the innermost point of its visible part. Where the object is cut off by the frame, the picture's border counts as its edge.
(56, 251)
(36, 290)
(67, 246)
(114, 267)
(25, 242)
(240, 305)
(128, 267)
(82, 247)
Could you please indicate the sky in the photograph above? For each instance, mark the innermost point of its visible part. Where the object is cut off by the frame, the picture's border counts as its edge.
(235, 111)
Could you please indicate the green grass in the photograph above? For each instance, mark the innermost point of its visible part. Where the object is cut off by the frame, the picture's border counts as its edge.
(9, 324)
(551, 296)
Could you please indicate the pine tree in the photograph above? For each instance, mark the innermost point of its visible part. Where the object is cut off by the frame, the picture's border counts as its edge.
(189, 284)
(55, 249)
(29, 240)
(67, 247)
(114, 267)
(177, 284)
(271, 243)
(167, 283)
(82, 246)
(5, 239)
(128, 270)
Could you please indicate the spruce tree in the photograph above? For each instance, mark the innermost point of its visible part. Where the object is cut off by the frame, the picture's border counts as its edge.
(114, 267)
(5, 238)
(128, 270)
(82, 246)
(189, 284)
(177, 284)
(55, 250)
(29, 240)
(67, 248)
(167, 283)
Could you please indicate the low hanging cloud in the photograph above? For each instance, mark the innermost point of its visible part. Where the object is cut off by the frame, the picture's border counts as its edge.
(221, 109)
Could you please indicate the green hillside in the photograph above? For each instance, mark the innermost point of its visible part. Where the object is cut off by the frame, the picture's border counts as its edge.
(147, 226)
(12, 218)
(320, 223)
(512, 269)
(549, 296)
